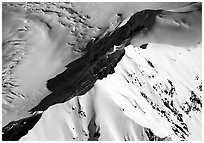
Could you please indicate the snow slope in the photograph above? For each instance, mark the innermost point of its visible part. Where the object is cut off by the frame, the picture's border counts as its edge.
(133, 99)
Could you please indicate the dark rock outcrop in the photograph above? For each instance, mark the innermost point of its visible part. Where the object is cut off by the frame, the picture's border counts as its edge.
(16, 129)
(96, 63)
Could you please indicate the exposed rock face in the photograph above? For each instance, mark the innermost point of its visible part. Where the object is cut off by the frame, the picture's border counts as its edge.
(96, 63)
(105, 57)
(16, 129)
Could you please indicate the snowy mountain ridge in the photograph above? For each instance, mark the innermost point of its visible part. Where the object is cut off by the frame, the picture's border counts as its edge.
(139, 79)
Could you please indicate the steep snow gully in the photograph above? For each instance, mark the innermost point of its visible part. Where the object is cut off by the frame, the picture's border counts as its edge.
(138, 77)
